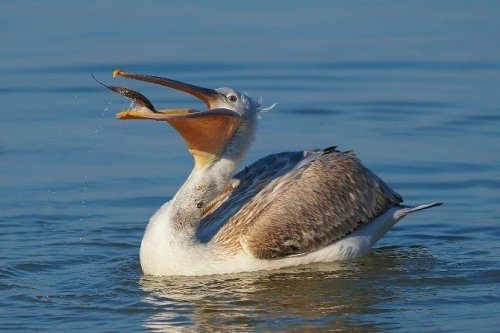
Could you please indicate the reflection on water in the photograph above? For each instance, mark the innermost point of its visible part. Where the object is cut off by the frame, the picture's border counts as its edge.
(336, 296)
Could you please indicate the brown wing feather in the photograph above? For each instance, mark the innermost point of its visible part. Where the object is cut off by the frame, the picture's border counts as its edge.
(308, 208)
(242, 189)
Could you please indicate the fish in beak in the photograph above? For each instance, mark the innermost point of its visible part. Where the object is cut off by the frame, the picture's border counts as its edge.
(206, 133)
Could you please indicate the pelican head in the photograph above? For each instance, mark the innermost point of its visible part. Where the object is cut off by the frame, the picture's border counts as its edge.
(224, 130)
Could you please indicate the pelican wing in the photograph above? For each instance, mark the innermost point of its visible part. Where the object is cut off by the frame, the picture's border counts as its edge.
(245, 186)
(315, 199)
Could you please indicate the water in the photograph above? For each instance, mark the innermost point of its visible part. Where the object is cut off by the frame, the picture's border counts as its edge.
(412, 87)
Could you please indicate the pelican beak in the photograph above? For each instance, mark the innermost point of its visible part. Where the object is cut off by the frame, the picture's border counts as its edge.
(206, 133)
(208, 96)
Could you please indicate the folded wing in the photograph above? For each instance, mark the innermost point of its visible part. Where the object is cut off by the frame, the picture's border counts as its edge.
(278, 209)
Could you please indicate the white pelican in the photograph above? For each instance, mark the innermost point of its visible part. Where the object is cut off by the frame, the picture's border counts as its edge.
(286, 209)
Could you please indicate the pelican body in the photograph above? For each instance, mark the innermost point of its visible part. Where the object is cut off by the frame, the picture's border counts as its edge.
(286, 209)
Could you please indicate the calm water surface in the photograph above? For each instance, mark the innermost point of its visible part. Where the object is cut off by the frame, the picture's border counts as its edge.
(412, 87)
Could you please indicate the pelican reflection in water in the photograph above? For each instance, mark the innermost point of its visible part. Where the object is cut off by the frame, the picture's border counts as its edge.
(286, 209)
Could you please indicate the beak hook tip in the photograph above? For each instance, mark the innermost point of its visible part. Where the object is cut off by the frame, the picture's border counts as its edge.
(117, 72)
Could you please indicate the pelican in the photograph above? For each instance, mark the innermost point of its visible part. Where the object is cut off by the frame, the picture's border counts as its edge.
(286, 209)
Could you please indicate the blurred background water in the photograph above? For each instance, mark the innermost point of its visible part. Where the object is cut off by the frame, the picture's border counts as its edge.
(412, 87)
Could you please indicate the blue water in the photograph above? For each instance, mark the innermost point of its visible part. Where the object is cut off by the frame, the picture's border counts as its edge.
(412, 87)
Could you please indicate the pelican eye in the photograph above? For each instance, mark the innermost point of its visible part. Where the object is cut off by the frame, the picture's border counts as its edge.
(232, 98)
